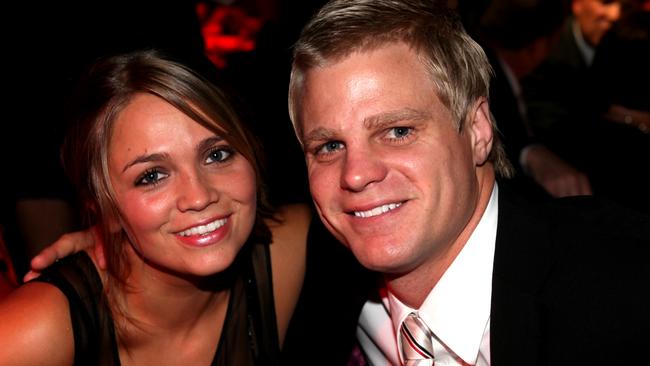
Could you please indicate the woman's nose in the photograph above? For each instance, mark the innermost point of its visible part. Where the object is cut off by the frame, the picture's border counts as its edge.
(195, 193)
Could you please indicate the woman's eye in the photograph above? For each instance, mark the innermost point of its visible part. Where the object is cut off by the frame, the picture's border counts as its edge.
(399, 132)
(218, 155)
(151, 176)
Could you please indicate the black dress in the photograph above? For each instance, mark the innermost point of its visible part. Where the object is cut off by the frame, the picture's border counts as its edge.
(249, 335)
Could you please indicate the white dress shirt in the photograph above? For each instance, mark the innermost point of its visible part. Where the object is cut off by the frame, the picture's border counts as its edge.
(457, 310)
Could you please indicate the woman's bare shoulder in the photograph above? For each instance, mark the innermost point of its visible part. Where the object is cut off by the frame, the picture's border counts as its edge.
(288, 259)
(35, 327)
(291, 219)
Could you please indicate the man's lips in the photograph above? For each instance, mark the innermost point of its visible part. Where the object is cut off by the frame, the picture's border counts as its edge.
(376, 211)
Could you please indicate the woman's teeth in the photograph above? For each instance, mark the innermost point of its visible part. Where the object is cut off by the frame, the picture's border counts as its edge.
(204, 229)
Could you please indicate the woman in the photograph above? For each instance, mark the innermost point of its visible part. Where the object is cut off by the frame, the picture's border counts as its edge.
(199, 270)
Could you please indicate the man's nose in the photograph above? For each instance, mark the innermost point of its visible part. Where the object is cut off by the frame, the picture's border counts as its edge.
(361, 168)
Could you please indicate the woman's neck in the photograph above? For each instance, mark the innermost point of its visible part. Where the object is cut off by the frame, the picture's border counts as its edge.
(161, 328)
(157, 309)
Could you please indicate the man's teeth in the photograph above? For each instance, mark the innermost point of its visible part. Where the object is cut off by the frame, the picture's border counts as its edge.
(203, 229)
(377, 210)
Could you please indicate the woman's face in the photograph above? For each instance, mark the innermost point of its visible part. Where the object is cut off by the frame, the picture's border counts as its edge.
(187, 197)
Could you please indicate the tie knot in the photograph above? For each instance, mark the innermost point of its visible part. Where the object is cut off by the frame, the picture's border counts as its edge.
(416, 338)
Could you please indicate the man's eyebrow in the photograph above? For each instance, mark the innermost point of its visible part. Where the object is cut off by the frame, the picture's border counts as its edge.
(318, 134)
(388, 118)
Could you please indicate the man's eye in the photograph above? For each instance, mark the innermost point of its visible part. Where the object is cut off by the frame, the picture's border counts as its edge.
(218, 155)
(399, 132)
(329, 147)
(151, 176)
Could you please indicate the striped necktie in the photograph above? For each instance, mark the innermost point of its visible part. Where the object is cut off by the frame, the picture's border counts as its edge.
(416, 338)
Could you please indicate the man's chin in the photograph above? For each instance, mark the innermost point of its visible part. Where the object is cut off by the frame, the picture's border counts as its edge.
(381, 263)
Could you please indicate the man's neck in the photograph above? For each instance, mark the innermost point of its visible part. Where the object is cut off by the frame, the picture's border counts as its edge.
(413, 287)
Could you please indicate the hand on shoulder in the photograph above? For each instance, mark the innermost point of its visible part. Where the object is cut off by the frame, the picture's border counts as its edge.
(66, 245)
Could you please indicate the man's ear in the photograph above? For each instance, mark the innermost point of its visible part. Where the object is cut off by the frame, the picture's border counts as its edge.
(480, 130)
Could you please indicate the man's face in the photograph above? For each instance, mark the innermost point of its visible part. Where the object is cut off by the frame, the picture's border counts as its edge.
(390, 175)
(595, 17)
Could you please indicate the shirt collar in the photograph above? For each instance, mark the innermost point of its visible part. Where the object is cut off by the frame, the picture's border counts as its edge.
(586, 50)
(457, 310)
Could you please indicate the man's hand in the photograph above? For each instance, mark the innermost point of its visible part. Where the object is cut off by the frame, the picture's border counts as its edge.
(556, 176)
(66, 245)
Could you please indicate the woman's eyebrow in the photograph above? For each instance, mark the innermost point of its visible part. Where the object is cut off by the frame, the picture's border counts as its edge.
(145, 158)
(209, 142)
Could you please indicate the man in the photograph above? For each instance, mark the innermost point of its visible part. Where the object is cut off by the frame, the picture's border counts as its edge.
(622, 116)
(517, 36)
(558, 91)
(592, 20)
(390, 102)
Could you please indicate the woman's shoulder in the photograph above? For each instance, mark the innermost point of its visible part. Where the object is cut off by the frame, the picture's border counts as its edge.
(288, 259)
(291, 219)
(36, 327)
(290, 229)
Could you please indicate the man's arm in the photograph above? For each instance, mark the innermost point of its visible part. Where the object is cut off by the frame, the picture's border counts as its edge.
(64, 246)
(555, 175)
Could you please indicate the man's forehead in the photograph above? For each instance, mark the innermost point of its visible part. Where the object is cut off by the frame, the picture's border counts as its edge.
(368, 88)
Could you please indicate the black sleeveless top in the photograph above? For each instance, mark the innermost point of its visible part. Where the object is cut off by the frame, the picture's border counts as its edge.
(249, 335)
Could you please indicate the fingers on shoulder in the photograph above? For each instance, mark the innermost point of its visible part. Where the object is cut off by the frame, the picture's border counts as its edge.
(35, 326)
(44, 259)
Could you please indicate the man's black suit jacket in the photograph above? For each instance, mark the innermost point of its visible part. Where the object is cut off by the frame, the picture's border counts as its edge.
(571, 284)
